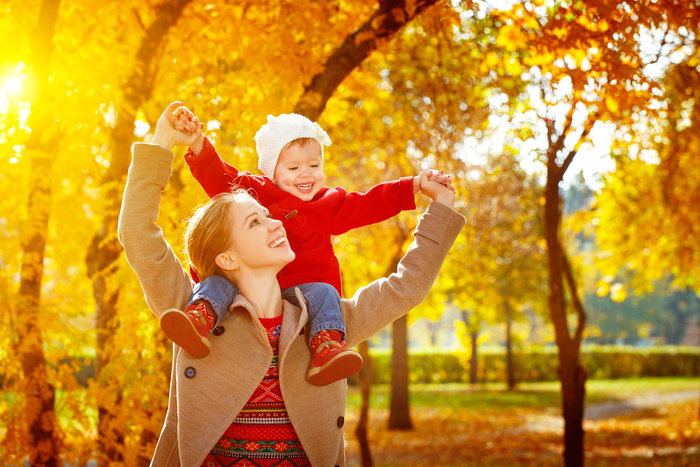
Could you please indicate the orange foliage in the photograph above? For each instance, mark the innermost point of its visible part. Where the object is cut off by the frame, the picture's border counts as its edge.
(668, 435)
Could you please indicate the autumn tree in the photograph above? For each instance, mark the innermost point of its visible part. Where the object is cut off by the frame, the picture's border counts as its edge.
(388, 81)
(104, 249)
(653, 195)
(586, 62)
(44, 432)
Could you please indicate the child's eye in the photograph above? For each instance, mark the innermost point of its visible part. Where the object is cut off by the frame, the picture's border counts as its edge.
(293, 168)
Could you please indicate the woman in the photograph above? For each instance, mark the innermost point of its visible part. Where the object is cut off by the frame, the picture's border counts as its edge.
(200, 425)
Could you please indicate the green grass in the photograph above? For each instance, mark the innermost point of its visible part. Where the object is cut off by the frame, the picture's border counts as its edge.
(494, 396)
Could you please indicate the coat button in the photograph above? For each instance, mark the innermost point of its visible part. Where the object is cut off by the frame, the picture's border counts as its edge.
(190, 372)
(341, 422)
(219, 330)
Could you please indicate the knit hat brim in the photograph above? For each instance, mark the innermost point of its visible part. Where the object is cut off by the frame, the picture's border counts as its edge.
(280, 131)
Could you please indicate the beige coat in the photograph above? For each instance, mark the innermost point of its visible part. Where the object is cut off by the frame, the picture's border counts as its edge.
(206, 394)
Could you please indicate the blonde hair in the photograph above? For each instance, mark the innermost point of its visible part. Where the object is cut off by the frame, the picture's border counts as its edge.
(208, 234)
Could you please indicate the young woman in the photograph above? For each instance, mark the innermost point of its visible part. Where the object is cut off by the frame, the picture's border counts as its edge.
(263, 408)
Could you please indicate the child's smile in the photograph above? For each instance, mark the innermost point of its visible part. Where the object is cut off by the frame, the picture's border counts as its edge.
(299, 170)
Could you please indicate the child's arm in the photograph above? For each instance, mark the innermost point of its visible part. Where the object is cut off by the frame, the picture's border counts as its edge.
(381, 202)
(213, 173)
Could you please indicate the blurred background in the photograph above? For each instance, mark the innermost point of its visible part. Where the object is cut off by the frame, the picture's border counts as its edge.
(571, 130)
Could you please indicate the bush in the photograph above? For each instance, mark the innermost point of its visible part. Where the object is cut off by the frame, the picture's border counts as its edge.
(540, 364)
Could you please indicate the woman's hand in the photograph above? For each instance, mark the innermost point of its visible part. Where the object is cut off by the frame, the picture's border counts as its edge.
(438, 187)
(177, 126)
(434, 176)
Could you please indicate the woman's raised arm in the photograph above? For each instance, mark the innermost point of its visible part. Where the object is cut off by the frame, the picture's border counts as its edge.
(165, 283)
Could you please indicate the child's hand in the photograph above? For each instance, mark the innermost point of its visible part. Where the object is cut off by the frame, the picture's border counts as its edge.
(438, 187)
(437, 176)
(167, 136)
(186, 122)
(442, 178)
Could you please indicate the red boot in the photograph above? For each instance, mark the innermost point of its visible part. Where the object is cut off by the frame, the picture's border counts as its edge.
(332, 361)
(190, 328)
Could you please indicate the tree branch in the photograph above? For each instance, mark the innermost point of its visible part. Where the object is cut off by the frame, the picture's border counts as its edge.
(575, 301)
(390, 17)
(582, 139)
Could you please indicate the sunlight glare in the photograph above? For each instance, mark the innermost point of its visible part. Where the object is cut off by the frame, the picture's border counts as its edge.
(12, 85)
(12, 81)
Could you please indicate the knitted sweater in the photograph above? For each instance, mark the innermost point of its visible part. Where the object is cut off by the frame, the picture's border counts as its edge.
(262, 434)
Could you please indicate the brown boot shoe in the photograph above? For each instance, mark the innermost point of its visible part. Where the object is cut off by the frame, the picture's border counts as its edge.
(332, 361)
(190, 328)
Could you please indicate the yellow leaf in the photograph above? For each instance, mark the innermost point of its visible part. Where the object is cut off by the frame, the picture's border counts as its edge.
(611, 104)
(618, 292)
(603, 288)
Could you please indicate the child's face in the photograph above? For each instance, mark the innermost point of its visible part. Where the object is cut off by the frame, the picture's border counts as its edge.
(299, 170)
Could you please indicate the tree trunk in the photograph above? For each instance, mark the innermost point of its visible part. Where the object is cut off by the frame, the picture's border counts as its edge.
(365, 379)
(571, 373)
(40, 394)
(509, 346)
(399, 414)
(474, 359)
(104, 250)
(473, 336)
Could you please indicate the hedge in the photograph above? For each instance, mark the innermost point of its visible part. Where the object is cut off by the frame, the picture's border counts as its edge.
(540, 364)
(531, 364)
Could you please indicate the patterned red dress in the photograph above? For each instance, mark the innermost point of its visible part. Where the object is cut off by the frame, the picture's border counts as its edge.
(262, 434)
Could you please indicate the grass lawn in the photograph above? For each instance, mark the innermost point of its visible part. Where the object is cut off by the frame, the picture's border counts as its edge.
(460, 425)
(547, 394)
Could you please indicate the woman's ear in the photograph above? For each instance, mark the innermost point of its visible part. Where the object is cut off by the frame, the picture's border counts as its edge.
(227, 262)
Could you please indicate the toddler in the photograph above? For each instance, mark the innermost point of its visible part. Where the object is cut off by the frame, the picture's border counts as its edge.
(290, 148)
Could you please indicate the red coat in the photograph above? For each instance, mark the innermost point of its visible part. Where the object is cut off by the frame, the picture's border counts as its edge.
(309, 225)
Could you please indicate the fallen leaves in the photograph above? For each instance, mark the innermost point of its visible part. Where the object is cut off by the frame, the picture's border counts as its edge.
(669, 435)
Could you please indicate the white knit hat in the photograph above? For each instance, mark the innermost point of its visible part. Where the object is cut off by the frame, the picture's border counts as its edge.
(280, 131)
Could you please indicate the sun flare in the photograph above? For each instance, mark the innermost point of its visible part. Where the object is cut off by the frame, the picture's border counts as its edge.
(12, 81)
(12, 85)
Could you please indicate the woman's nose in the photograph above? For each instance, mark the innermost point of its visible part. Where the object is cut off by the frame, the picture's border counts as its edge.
(274, 224)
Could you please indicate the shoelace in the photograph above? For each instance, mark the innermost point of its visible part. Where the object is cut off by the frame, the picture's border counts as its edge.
(329, 343)
(196, 312)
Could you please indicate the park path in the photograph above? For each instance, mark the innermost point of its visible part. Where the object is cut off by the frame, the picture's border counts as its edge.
(552, 421)
(613, 408)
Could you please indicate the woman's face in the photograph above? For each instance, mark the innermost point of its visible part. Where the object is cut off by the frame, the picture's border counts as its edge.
(258, 240)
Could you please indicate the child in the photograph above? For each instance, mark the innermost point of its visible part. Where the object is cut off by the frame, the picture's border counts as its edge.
(290, 150)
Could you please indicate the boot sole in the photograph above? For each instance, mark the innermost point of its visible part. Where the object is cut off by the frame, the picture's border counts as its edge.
(179, 329)
(342, 366)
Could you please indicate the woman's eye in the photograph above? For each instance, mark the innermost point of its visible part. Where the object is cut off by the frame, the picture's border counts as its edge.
(254, 222)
